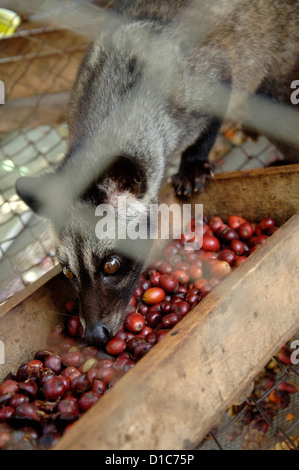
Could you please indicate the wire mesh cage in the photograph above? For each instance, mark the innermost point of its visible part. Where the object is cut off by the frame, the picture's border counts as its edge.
(38, 65)
(267, 419)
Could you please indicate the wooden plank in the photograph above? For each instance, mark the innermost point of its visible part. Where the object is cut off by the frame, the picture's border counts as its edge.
(27, 318)
(176, 393)
(253, 194)
(24, 294)
(197, 371)
(174, 396)
(34, 111)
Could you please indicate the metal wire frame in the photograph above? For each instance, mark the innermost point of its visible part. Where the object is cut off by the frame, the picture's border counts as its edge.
(29, 145)
(217, 435)
(33, 147)
(251, 157)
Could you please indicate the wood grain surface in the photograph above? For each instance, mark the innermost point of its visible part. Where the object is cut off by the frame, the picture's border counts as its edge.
(179, 390)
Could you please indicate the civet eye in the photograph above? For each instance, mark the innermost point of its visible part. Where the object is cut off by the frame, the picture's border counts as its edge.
(112, 265)
(68, 273)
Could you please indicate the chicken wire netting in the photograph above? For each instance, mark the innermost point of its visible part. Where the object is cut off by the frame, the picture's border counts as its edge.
(38, 64)
(268, 418)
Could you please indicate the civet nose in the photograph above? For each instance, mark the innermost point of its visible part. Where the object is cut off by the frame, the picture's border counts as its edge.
(97, 334)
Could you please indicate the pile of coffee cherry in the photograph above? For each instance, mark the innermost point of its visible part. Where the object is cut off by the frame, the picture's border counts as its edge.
(45, 397)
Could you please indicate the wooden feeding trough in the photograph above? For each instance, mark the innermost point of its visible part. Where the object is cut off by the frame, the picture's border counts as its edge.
(180, 389)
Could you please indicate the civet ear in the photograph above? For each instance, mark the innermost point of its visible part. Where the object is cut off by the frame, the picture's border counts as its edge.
(30, 190)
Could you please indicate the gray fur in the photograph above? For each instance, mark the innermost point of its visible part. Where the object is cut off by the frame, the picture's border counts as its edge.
(148, 88)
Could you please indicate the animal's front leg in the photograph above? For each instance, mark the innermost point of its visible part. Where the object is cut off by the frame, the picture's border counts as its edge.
(195, 167)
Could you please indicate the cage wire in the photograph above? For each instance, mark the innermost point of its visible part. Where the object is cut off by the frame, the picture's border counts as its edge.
(267, 419)
(38, 65)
